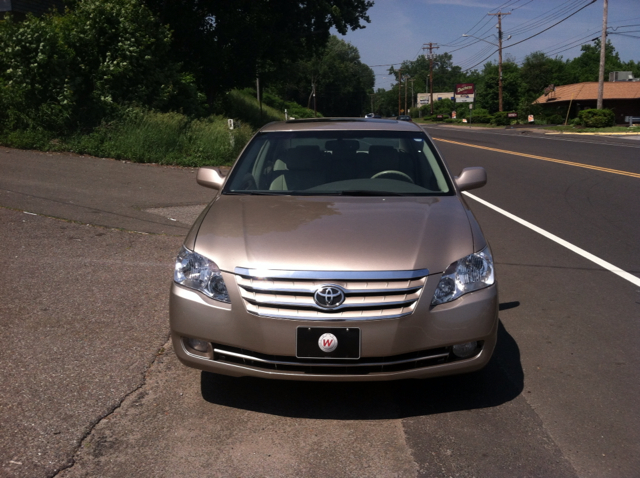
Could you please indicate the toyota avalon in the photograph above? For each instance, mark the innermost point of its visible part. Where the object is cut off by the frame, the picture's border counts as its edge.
(336, 249)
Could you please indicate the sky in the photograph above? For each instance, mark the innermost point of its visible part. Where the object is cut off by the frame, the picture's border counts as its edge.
(399, 28)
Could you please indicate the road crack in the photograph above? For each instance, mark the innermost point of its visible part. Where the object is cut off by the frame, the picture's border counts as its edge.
(94, 423)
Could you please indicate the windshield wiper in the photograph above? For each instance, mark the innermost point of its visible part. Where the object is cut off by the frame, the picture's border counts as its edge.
(366, 192)
(254, 193)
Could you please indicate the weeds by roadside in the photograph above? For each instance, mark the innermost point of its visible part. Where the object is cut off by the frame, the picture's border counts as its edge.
(611, 129)
(147, 137)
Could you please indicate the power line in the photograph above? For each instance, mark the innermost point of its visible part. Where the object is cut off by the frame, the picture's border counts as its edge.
(625, 35)
(546, 17)
(537, 21)
(549, 28)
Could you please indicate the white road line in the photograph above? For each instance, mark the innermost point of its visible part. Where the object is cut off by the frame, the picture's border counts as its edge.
(587, 255)
(541, 136)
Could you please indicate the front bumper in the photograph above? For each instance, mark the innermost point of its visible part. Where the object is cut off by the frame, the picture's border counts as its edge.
(414, 346)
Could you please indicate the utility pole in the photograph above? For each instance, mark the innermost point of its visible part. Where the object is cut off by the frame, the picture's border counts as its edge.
(399, 79)
(372, 95)
(500, 15)
(603, 49)
(258, 93)
(431, 47)
(406, 83)
(413, 100)
(315, 108)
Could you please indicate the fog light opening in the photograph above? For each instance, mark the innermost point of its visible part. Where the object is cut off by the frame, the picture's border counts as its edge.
(465, 350)
(198, 345)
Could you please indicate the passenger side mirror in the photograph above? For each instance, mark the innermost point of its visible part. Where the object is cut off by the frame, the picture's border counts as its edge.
(210, 177)
(471, 178)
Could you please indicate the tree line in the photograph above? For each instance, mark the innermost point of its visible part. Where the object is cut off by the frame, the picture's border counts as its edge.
(522, 83)
(73, 71)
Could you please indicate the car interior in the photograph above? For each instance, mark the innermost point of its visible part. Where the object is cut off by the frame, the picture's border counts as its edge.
(317, 164)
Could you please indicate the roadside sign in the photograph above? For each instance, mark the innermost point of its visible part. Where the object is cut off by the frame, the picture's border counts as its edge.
(230, 123)
(453, 114)
(530, 118)
(512, 115)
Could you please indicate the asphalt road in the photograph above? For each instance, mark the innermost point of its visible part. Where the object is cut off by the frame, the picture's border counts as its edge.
(91, 386)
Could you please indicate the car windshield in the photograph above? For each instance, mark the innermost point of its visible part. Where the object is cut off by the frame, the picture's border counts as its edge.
(358, 163)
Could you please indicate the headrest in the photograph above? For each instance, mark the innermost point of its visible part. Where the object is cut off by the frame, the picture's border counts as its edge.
(303, 158)
(350, 145)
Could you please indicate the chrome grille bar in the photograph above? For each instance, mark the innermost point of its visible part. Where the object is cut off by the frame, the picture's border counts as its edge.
(325, 364)
(368, 295)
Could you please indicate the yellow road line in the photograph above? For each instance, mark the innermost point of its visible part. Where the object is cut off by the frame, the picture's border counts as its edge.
(543, 158)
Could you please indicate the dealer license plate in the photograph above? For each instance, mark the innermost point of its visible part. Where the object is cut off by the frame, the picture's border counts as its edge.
(328, 342)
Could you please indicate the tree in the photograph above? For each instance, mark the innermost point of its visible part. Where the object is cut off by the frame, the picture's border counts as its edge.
(538, 71)
(342, 81)
(61, 71)
(587, 66)
(227, 44)
(487, 89)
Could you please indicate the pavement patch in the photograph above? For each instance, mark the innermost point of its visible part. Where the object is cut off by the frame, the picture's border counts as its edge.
(183, 214)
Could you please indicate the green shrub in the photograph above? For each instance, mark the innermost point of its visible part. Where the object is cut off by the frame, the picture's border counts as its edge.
(501, 118)
(480, 115)
(61, 72)
(595, 118)
(555, 119)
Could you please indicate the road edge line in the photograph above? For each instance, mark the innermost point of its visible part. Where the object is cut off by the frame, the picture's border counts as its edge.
(587, 255)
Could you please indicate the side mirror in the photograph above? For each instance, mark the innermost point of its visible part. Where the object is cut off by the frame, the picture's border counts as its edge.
(210, 177)
(471, 178)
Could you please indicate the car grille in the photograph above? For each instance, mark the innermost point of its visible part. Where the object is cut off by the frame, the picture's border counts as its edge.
(367, 295)
(362, 366)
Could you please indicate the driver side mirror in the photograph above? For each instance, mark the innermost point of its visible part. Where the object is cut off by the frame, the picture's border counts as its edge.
(471, 178)
(210, 177)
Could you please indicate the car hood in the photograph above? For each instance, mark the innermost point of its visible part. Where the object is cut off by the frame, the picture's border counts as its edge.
(335, 233)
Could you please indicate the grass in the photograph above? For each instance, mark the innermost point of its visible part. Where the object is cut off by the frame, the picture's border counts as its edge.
(164, 138)
(241, 105)
(147, 137)
(611, 129)
(475, 125)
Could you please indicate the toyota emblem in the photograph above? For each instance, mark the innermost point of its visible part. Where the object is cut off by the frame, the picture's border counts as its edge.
(329, 296)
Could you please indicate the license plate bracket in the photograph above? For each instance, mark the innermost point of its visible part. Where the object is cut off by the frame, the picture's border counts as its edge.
(307, 342)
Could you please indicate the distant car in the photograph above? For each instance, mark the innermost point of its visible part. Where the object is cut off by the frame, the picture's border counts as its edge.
(404, 118)
(336, 250)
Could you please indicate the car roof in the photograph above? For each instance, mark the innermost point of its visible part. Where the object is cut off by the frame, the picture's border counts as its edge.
(340, 124)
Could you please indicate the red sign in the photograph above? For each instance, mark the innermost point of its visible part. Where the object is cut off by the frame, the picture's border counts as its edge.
(465, 88)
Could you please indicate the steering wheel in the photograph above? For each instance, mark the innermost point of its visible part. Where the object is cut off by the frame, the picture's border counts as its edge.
(248, 182)
(392, 172)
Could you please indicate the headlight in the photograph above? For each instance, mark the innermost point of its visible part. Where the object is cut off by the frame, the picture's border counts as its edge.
(197, 272)
(466, 275)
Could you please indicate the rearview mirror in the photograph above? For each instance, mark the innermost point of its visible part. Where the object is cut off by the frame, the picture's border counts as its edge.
(210, 177)
(471, 178)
